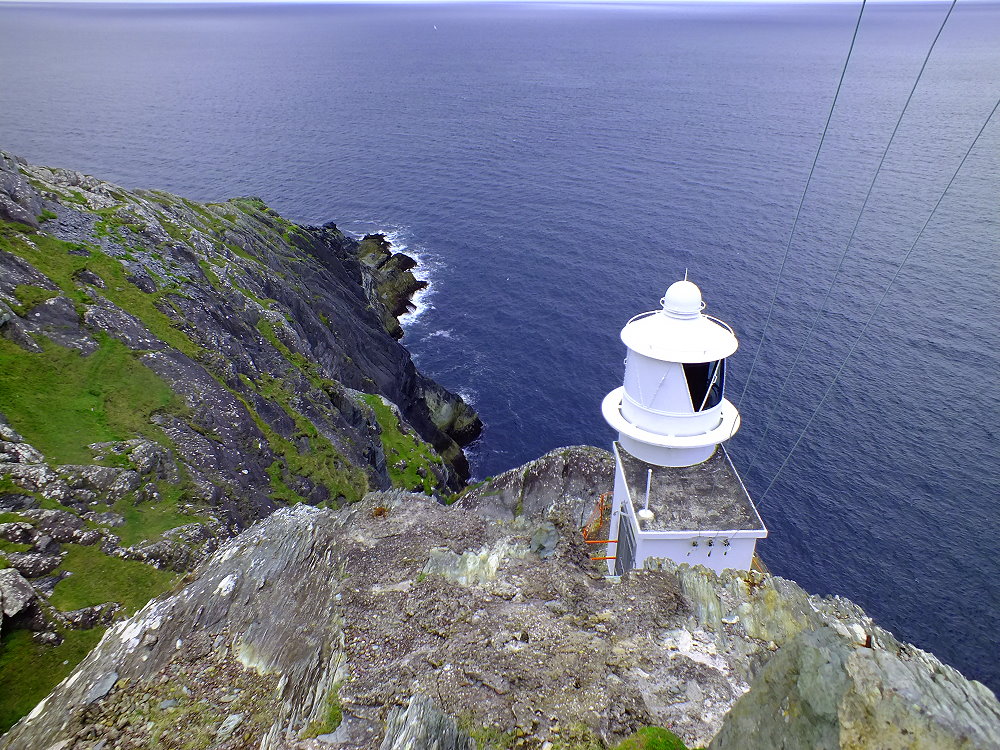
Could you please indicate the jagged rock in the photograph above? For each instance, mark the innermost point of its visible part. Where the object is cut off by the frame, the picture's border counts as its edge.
(244, 613)
(47, 638)
(421, 726)
(88, 537)
(19, 453)
(19, 201)
(45, 586)
(544, 540)
(17, 598)
(107, 518)
(13, 501)
(152, 459)
(148, 458)
(89, 617)
(40, 478)
(109, 482)
(18, 532)
(46, 545)
(398, 596)
(823, 691)
(32, 564)
(301, 286)
(164, 554)
(58, 320)
(86, 276)
(105, 316)
(61, 525)
(562, 486)
(8, 433)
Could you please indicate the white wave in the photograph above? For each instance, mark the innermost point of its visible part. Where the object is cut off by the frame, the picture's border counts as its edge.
(469, 397)
(444, 333)
(399, 241)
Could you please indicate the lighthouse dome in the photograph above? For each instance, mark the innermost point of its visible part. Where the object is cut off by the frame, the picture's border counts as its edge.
(680, 331)
(683, 300)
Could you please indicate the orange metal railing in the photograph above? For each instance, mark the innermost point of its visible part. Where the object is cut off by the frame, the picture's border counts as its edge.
(596, 522)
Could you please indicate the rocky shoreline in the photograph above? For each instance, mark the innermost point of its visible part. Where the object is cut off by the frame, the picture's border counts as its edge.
(174, 371)
(234, 515)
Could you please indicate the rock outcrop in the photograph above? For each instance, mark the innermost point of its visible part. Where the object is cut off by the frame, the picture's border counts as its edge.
(174, 371)
(400, 622)
(235, 427)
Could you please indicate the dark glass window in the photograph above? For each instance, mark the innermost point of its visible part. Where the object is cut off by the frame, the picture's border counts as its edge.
(705, 383)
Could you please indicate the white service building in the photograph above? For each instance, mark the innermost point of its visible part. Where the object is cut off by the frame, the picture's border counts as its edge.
(677, 494)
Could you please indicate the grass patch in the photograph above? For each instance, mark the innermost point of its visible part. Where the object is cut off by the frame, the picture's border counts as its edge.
(322, 463)
(149, 520)
(400, 446)
(28, 296)
(652, 738)
(298, 361)
(47, 215)
(60, 260)
(29, 671)
(110, 222)
(212, 277)
(61, 401)
(99, 578)
(486, 738)
(331, 718)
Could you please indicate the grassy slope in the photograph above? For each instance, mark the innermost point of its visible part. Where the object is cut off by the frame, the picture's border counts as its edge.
(28, 671)
(400, 446)
(61, 401)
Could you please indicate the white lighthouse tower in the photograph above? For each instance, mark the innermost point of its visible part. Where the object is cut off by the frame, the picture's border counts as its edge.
(677, 493)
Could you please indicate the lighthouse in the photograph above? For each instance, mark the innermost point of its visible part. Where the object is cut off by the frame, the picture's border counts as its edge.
(677, 494)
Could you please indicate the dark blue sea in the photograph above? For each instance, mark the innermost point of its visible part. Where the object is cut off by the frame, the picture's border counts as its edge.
(556, 167)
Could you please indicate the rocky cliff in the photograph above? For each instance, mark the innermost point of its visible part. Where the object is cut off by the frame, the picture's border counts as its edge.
(173, 371)
(399, 622)
(176, 372)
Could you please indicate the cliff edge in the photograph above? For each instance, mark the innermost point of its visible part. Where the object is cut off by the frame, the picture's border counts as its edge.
(170, 373)
(398, 622)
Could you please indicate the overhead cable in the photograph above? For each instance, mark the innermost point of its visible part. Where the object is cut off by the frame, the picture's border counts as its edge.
(791, 234)
(843, 255)
(878, 306)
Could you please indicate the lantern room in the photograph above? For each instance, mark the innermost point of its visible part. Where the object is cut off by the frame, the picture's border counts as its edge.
(677, 494)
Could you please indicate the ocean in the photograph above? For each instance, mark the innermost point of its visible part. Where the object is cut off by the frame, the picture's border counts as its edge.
(555, 167)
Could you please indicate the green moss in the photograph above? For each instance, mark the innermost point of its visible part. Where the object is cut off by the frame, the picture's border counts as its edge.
(209, 273)
(29, 671)
(486, 738)
(577, 737)
(279, 489)
(149, 520)
(331, 718)
(60, 260)
(61, 401)
(75, 196)
(304, 365)
(28, 296)
(652, 738)
(110, 222)
(321, 462)
(47, 215)
(173, 230)
(237, 250)
(99, 578)
(405, 455)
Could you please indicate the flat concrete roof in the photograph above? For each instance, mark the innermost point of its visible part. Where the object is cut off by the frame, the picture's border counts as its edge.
(705, 497)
